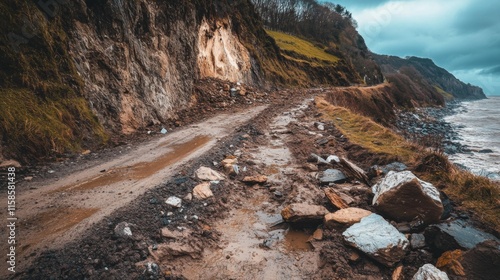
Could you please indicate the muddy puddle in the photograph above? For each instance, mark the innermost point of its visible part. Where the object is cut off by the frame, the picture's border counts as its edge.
(143, 169)
(51, 222)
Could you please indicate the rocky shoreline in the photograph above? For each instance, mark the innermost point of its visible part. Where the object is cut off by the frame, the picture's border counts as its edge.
(427, 126)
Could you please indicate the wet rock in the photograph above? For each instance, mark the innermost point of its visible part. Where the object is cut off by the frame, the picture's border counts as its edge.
(430, 272)
(447, 206)
(417, 241)
(451, 262)
(403, 197)
(174, 201)
(302, 213)
(483, 262)
(257, 179)
(378, 239)
(207, 174)
(123, 230)
(331, 176)
(202, 191)
(348, 216)
(485, 151)
(335, 198)
(455, 235)
(354, 170)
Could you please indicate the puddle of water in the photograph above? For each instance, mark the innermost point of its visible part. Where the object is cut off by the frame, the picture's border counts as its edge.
(54, 221)
(143, 169)
(296, 240)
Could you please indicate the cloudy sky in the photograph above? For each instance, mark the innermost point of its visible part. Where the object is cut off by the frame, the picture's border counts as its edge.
(462, 36)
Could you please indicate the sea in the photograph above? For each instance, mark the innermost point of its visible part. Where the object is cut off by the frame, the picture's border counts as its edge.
(478, 126)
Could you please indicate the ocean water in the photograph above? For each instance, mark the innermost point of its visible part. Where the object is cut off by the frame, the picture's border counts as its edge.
(478, 125)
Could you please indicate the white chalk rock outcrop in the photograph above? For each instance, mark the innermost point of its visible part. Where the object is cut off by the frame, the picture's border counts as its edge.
(404, 197)
(430, 272)
(378, 239)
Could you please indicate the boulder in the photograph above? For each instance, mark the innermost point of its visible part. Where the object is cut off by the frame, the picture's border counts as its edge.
(304, 213)
(207, 174)
(378, 239)
(202, 191)
(348, 216)
(430, 272)
(403, 197)
(335, 198)
(483, 262)
(331, 176)
(455, 235)
(257, 179)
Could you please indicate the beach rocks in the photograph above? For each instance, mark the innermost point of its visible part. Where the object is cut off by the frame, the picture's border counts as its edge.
(304, 213)
(455, 235)
(403, 197)
(331, 176)
(207, 174)
(430, 272)
(378, 239)
(348, 216)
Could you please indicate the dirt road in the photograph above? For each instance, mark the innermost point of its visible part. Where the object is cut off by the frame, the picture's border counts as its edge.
(54, 211)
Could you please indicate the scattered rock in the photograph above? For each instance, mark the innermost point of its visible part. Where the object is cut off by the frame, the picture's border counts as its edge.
(152, 269)
(451, 262)
(483, 262)
(302, 213)
(354, 170)
(348, 216)
(317, 160)
(322, 141)
(397, 274)
(319, 125)
(377, 170)
(430, 272)
(86, 152)
(202, 191)
(378, 239)
(173, 249)
(403, 197)
(174, 201)
(331, 176)
(123, 230)
(455, 235)
(310, 167)
(188, 197)
(28, 178)
(167, 233)
(207, 174)
(332, 159)
(417, 241)
(317, 235)
(257, 179)
(335, 198)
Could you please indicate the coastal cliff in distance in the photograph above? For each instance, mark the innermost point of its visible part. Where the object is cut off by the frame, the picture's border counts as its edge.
(443, 81)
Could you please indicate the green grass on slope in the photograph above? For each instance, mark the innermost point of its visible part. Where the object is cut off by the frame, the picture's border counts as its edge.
(302, 47)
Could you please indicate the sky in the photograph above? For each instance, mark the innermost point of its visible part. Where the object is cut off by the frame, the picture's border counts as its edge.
(462, 36)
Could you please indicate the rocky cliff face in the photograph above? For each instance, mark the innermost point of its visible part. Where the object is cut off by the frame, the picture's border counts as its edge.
(139, 59)
(434, 75)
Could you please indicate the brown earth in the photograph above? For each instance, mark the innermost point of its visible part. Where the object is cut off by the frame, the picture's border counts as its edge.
(67, 222)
